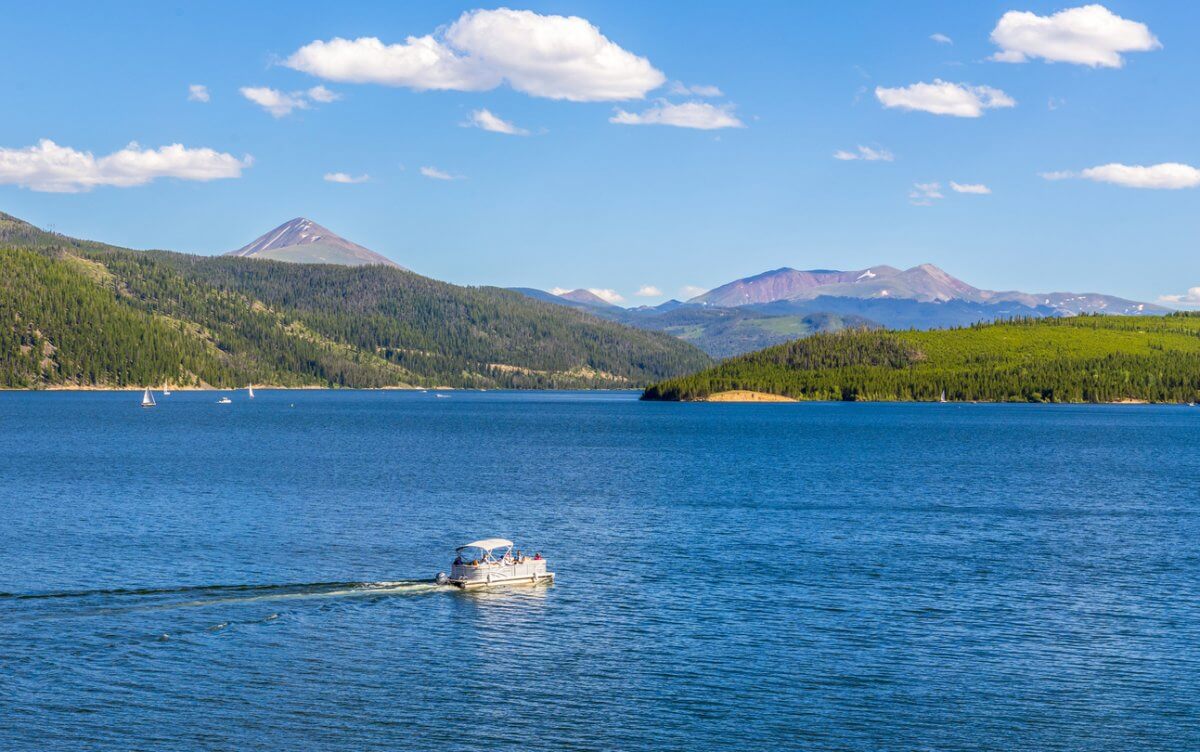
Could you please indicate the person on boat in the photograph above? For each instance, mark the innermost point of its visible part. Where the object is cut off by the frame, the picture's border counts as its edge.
(537, 556)
(458, 560)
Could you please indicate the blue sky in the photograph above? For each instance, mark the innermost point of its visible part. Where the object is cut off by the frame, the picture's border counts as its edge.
(584, 202)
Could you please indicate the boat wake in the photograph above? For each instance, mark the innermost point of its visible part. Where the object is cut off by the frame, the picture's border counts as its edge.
(211, 595)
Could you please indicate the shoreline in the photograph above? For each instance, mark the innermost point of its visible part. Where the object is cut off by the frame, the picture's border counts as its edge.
(752, 398)
(272, 387)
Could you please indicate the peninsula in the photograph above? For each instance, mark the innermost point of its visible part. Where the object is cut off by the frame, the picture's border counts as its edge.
(1090, 358)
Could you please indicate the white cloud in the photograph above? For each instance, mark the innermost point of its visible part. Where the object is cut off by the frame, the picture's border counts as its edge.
(559, 290)
(924, 194)
(690, 291)
(864, 153)
(487, 121)
(699, 90)
(436, 174)
(51, 168)
(944, 98)
(556, 57)
(648, 291)
(701, 115)
(342, 177)
(198, 93)
(1191, 298)
(274, 101)
(323, 95)
(941, 39)
(608, 296)
(1168, 175)
(1089, 35)
(281, 104)
(977, 188)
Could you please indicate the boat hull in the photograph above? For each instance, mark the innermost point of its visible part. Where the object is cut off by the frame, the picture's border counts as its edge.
(543, 579)
(526, 572)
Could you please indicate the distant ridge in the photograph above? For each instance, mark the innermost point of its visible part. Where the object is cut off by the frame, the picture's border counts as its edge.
(586, 297)
(303, 241)
(925, 283)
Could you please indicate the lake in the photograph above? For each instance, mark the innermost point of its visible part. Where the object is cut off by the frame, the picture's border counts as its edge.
(258, 576)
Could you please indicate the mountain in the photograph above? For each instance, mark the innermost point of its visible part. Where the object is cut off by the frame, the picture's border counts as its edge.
(306, 242)
(720, 332)
(1088, 358)
(900, 313)
(81, 313)
(587, 297)
(925, 283)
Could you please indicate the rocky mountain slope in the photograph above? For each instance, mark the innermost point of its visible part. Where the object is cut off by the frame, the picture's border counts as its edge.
(306, 242)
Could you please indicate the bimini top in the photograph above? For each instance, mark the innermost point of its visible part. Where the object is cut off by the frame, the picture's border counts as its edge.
(488, 544)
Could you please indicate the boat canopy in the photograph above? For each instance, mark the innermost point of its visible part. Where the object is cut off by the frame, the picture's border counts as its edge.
(488, 544)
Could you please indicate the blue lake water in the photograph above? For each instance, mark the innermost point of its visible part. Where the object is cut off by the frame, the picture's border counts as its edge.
(257, 575)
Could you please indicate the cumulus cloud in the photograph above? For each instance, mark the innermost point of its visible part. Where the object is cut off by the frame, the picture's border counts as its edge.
(924, 194)
(436, 174)
(1167, 175)
(50, 168)
(487, 121)
(608, 296)
(198, 93)
(556, 57)
(323, 95)
(688, 292)
(281, 104)
(274, 101)
(944, 98)
(941, 39)
(343, 177)
(648, 291)
(698, 90)
(701, 115)
(559, 290)
(1191, 298)
(864, 153)
(976, 188)
(1089, 35)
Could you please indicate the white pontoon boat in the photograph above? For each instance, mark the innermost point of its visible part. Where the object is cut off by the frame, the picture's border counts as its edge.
(493, 562)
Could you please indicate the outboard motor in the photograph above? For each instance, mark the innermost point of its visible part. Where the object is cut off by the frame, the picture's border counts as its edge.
(442, 579)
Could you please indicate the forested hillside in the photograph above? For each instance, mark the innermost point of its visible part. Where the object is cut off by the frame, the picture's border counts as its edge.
(83, 313)
(1078, 359)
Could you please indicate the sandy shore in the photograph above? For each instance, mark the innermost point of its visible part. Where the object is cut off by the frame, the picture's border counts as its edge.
(744, 395)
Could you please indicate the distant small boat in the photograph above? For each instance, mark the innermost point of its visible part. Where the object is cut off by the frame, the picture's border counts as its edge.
(224, 401)
(943, 397)
(250, 391)
(442, 396)
(148, 398)
(166, 390)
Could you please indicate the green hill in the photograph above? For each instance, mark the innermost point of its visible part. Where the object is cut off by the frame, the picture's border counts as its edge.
(80, 313)
(1077, 359)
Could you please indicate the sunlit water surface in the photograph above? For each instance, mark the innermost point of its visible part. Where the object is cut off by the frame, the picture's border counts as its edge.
(257, 576)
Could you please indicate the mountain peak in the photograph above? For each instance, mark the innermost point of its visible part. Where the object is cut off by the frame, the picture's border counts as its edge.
(587, 297)
(302, 240)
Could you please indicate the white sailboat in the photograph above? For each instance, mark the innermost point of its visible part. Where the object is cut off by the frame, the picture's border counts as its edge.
(166, 390)
(147, 398)
(250, 391)
(943, 397)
